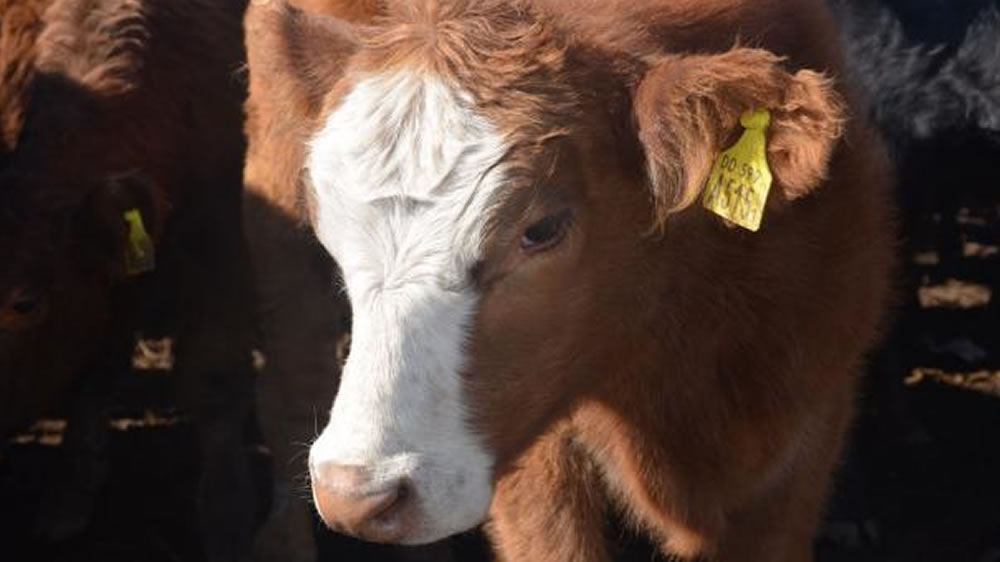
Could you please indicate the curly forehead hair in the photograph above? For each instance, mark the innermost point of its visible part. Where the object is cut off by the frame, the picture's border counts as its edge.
(506, 53)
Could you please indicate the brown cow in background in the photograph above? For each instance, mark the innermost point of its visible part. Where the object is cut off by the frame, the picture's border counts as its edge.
(122, 136)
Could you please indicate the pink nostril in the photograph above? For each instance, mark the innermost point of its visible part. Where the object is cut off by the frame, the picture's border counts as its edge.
(390, 514)
(348, 500)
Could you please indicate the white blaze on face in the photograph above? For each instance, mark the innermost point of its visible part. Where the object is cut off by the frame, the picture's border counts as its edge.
(404, 174)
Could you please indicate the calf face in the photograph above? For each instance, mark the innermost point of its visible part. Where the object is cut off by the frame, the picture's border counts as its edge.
(485, 185)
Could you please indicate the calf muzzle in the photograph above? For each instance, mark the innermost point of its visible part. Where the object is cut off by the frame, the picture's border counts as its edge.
(349, 500)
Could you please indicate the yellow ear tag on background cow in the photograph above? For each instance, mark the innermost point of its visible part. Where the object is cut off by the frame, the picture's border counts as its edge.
(140, 254)
(740, 180)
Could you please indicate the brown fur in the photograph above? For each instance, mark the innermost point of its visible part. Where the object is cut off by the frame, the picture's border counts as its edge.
(122, 104)
(700, 377)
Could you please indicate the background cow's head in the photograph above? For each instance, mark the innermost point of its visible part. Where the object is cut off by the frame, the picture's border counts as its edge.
(63, 193)
(498, 193)
(63, 253)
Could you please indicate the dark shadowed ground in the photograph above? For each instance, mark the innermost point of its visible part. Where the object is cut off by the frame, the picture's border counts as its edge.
(922, 482)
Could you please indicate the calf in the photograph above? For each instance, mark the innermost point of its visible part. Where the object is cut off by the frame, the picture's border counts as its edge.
(930, 75)
(546, 322)
(121, 171)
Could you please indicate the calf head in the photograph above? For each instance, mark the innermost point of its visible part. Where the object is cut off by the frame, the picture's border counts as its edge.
(63, 191)
(488, 186)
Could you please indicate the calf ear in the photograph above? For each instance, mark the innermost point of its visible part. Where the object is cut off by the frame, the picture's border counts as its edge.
(121, 221)
(295, 57)
(687, 108)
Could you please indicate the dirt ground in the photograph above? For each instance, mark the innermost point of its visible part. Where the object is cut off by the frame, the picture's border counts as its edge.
(921, 482)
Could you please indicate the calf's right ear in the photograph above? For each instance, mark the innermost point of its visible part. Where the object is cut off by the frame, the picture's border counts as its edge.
(687, 107)
(294, 57)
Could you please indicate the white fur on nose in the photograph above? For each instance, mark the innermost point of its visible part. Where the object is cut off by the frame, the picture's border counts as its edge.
(404, 173)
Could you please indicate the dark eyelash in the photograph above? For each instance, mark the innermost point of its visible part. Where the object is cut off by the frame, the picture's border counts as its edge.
(545, 233)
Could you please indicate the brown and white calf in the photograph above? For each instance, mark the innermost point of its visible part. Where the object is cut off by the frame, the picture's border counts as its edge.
(545, 322)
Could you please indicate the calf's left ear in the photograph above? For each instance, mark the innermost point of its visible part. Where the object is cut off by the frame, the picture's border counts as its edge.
(687, 108)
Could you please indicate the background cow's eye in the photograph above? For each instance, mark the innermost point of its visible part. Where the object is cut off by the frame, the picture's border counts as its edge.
(21, 303)
(545, 233)
(24, 304)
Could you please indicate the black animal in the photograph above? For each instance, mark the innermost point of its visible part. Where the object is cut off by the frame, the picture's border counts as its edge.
(930, 73)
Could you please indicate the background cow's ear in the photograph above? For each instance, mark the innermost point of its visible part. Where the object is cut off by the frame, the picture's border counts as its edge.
(123, 217)
(98, 46)
(295, 56)
(687, 109)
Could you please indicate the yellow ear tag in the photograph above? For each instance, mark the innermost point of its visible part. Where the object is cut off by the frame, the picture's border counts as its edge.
(740, 180)
(140, 254)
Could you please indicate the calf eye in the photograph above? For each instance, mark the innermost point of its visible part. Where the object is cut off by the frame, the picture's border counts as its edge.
(545, 233)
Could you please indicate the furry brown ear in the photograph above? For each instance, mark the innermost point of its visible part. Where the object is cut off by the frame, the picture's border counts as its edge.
(688, 107)
(20, 23)
(294, 56)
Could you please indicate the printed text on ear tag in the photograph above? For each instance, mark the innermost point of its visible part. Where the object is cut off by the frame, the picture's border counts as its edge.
(140, 255)
(740, 180)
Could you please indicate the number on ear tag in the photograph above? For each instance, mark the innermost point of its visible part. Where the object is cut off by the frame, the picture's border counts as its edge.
(740, 180)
